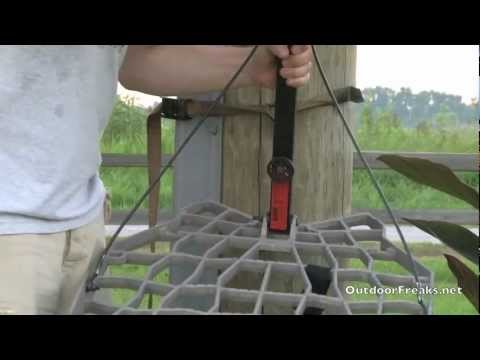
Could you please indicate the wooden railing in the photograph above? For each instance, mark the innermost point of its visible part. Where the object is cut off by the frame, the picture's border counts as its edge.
(456, 162)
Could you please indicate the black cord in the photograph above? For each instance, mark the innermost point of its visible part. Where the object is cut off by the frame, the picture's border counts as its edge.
(90, 282)
(370, 173)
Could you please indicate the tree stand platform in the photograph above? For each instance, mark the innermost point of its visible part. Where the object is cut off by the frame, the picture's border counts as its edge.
(223, 261)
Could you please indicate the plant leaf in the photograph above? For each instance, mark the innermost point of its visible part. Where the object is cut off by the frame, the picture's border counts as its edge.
(432, 174)
(467, 279)
(455, 236)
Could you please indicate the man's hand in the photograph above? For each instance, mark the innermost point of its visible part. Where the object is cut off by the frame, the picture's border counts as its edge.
(296, 65)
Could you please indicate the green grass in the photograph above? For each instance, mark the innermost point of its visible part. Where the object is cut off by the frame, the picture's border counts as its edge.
(387, 137)
(398, 191)
(126, 185)
(126, 134)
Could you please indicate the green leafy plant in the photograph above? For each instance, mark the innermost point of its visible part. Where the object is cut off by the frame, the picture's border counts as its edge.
(458, 238)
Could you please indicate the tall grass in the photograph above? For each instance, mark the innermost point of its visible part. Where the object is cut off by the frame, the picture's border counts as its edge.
(403, 193)
(126, 133)
(383, 131)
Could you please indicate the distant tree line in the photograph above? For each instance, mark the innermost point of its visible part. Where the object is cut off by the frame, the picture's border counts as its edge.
(413, 110)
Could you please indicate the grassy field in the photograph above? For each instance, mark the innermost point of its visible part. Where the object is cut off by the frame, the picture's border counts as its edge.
(429, 255)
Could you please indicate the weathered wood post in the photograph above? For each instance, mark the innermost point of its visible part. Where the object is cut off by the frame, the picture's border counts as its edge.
(323, 154)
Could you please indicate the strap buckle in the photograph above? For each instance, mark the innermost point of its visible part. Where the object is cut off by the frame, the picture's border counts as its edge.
(175, 109)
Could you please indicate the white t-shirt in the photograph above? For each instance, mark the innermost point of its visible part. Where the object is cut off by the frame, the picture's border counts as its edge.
(55, 101)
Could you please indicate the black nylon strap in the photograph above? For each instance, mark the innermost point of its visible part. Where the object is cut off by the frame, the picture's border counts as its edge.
(320, 277)
(284, 120)
(281, 168)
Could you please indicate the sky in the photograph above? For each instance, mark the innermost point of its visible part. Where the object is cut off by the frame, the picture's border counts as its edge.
(452, 69)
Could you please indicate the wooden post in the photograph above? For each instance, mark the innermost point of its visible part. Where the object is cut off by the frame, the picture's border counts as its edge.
(323, 153)
(154, 155)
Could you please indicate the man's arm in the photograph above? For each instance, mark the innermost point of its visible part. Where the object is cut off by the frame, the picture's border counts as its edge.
(185, 70)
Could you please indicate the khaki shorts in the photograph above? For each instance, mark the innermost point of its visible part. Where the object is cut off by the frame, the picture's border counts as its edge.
(42, 274)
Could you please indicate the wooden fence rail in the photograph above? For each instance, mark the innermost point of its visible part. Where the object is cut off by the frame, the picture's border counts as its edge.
(123, 160)
(464, 217)
(456, 162)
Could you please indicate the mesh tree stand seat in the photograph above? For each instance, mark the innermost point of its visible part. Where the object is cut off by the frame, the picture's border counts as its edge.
(218, 260)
